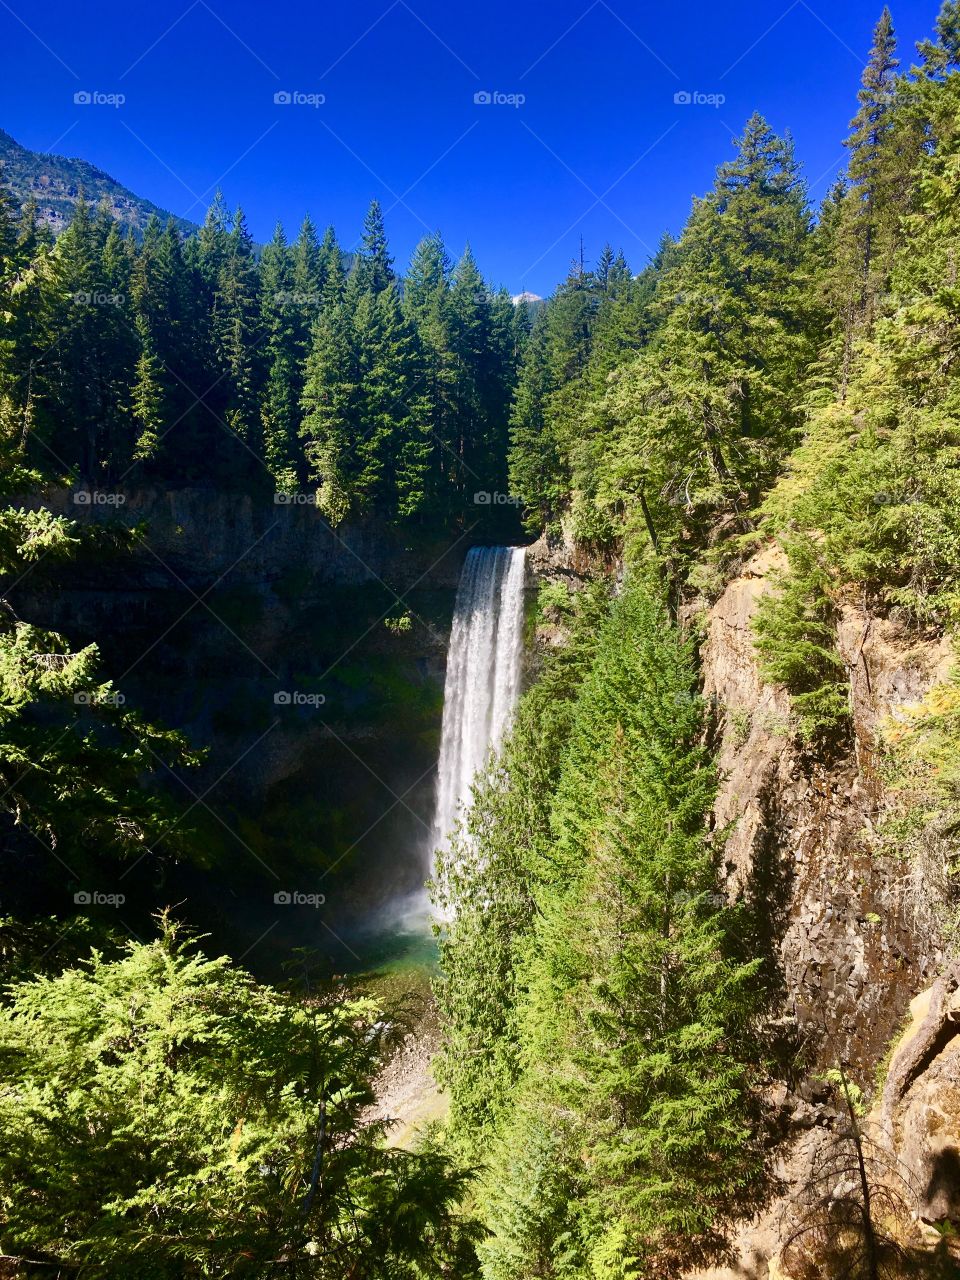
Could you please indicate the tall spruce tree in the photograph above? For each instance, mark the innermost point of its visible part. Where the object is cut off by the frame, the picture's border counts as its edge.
(330, 407)
(374, 266)
(707, 412)
(427, 305)
(281, 307)
(634, 1018)
(869, 141)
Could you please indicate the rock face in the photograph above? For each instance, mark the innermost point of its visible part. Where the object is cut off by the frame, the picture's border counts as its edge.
(920, 1104)
(848, 935)
(851, 938)
(55, 183)
(308, 662)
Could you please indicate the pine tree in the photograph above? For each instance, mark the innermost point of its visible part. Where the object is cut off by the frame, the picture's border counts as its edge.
(148, 401)
(212, 1080)
(282, 305)
(472, 341)
(537, 474)
(634, 1025)
(329, 424)
(23, 332)
(872, 126)
(888, 138)
(427, 305)
(118, 348)
(706, 413)
(397, 387)
(237, 334)
(330, 273)
(374, 266)
(73, 384)
(213, 243)
(308, 264)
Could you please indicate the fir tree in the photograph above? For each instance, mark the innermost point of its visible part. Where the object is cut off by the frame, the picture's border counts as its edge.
(374, 266)
(331, 411)
(281, 309)
(869, 140)
(427, 305)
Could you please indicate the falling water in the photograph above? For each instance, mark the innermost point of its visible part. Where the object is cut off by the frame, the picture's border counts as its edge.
(483, 674)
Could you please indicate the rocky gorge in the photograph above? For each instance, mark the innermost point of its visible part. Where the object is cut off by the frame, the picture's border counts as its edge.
(306, 663)
(355, 621)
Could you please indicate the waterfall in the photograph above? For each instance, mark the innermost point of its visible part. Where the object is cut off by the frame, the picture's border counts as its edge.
(483, 675)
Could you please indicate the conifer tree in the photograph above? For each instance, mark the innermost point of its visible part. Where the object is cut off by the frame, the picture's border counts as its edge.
(74, 385)
(147, 398)
(396, 389)
(706, 413)
(308, 262)
(23, 338)
(427, 305)
(330, 273)
(374, 266)
(872, 126)
(331, 411)
(281, 309)
(635, 1025)
(237, 334)
(474, 407)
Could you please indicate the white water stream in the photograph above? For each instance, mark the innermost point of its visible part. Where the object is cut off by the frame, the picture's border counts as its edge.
(483, 675)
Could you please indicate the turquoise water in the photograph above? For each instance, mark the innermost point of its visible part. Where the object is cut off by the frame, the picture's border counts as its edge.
(393, 951)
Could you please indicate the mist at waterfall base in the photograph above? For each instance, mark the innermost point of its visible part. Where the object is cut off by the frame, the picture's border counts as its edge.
(482, 684)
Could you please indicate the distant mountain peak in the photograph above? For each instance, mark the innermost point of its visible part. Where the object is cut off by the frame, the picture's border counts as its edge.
(55, 183)
(526, 296)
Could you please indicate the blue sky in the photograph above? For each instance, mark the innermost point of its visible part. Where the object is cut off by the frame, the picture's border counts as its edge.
(598, 147)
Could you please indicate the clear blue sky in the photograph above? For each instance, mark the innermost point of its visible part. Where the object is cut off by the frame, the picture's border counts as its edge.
(598, 148)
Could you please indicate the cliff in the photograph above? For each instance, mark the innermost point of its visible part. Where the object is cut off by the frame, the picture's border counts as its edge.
(853, 921)
(307, 662)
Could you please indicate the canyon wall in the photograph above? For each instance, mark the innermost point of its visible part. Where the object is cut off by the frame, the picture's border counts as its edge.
(307, 662)
(853, 935)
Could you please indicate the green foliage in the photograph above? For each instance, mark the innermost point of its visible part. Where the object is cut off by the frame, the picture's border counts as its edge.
(72, 757)
(876, 480)
(484, 889)
(701, 421)
(194, 361)
(166, 1116)
(29, 536)
(767, 376)
(76, 765)
(597, 1023)
(795, 634)
(666, 402)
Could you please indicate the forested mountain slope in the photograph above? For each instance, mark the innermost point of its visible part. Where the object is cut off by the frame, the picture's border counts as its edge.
(54, 184)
